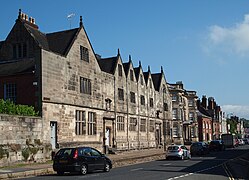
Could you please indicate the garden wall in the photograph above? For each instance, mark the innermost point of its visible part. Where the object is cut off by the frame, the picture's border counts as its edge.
(21, 140)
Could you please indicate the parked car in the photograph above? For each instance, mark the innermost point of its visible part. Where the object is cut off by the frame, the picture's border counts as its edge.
(177, 152)
(246, 140)
(241, 142)
(216, 145)
(199, 148)
(80, 159)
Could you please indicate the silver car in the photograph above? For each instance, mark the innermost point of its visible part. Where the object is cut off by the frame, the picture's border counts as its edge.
(177, 152)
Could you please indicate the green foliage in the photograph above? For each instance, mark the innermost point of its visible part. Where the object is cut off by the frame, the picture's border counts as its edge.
(3, 152)
(26, 153)
(8, 107)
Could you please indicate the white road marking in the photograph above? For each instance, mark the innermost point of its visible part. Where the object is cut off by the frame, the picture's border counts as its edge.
(167, 164)
(136, 169)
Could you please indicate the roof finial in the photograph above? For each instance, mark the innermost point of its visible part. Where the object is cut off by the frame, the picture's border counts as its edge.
(161, 69)
(148, 68)
(139, 63)
(81, 23)
(118, 52)
(129, 57)
(19, 14)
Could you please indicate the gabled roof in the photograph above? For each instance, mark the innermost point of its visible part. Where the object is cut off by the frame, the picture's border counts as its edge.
(156, 78)
(146, 77)
(17, 67)
(136, 71)
(108, 64)
(126, 68)
(59, 42)
(38, 36)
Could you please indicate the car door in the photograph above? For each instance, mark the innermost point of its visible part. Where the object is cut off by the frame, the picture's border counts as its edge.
(88, 159)
(99, 160)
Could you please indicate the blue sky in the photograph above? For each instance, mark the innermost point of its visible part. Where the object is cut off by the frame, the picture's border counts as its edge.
(204, 44)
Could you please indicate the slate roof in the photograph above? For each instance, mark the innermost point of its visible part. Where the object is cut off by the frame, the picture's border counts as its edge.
(108, 64)
(1, 43)
(136, 71)
(17, 67)
(59, 42)
(39, 37)
(126, 68)
(146, 76)
(156, 78)
(204, 111)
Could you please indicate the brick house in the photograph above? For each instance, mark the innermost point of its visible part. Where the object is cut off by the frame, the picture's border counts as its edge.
(83, 99)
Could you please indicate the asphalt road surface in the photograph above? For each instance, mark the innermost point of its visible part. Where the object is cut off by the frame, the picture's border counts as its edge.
(214, 165)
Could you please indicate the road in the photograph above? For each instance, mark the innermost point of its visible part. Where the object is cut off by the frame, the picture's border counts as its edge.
(216, 165)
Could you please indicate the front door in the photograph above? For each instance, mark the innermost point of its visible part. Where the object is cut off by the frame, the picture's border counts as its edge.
(107, 136)
(53, 127)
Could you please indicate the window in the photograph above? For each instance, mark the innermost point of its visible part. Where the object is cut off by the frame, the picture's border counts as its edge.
(133, 97)
(142, 99)
(84, 54)
(120, 94)
(165, 106)
(143, 125)
(175, 131)
(131, 75)
(92, 123)
(174, 97)
(151, 102)
(152, 126)
(190, 103)
(174, 113)
(10, 92)
(191, 116)
(120, 123)
(141, 79)
(85, 86)
(120, 70)
(80, 123)
(133, 123)
(19, 50)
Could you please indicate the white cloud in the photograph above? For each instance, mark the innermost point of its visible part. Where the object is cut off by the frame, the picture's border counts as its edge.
(231, 40)
(237, 110)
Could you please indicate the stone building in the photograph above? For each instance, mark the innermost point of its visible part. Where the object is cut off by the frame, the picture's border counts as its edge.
(184, 110)
(83, 99)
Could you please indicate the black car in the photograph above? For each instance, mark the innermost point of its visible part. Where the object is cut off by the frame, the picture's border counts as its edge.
(80, 159)
(199, 148)
(216, 145)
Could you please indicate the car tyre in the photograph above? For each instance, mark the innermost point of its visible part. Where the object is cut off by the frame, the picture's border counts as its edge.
(83, 169)
(107, 167)
(60, 173)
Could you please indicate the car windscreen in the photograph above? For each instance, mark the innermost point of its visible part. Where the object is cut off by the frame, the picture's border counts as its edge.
(65, 152)
(173, 148)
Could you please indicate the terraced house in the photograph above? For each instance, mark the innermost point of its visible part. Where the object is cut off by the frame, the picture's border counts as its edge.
(84, 99)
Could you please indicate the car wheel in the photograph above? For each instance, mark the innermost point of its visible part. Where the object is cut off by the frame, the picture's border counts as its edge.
(60, 173)
(83, 169)
(107, 167)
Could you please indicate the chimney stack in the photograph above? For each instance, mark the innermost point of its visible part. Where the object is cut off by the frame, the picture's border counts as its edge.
(204, 102)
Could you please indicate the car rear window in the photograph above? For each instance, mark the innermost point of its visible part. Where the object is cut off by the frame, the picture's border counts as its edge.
(173, 148)
(65, 152)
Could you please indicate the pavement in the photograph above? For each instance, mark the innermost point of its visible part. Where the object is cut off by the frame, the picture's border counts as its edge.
(119, 159)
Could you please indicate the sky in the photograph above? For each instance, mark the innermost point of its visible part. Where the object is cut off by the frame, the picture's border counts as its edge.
(204, 44)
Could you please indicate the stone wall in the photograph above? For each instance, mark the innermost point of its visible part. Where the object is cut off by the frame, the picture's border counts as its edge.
(21, 140)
